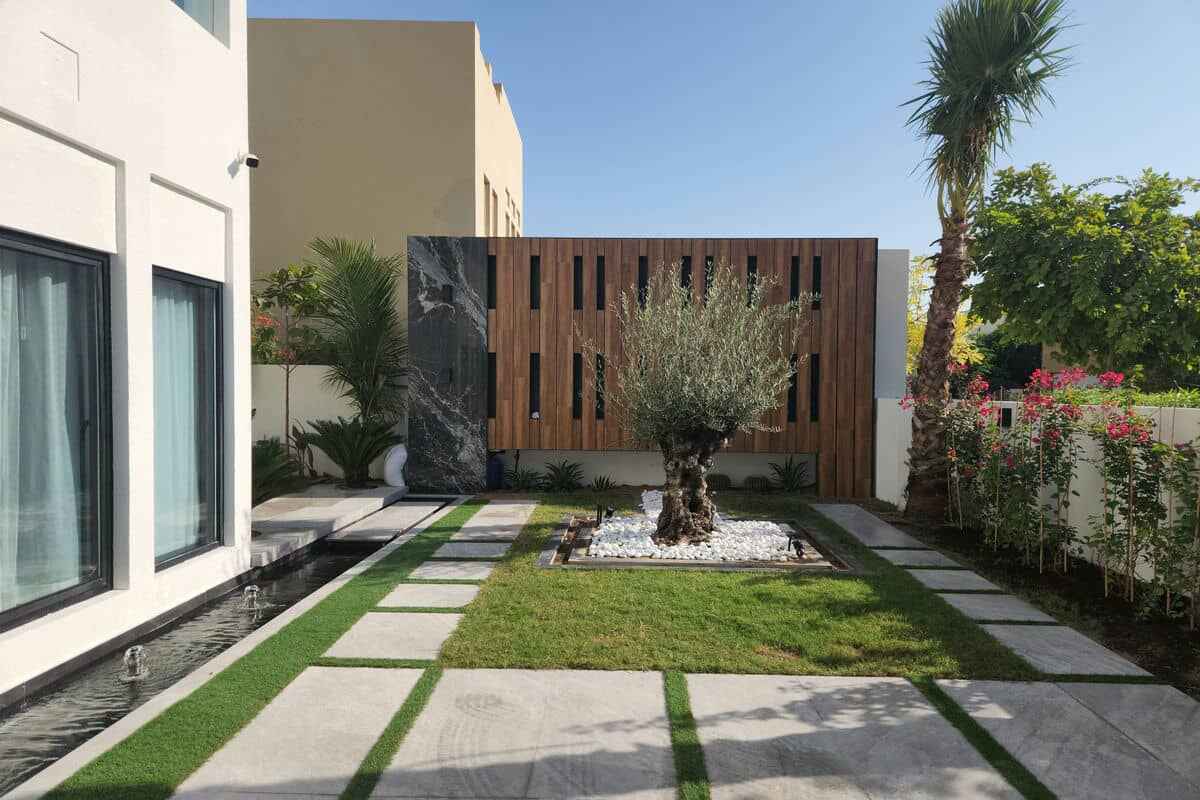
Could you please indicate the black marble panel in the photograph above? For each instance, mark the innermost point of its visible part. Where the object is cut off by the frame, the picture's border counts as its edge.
(447, 344)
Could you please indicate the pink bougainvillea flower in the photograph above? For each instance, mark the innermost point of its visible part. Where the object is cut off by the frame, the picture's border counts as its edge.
(1069, 377)
(1111, 380)
(957, 367)
(1143, 436)
(1009, 462)
(977, 386)
(1041, 378)
(907, 402)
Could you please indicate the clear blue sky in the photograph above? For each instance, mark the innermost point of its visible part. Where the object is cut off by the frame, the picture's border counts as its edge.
(782, 119)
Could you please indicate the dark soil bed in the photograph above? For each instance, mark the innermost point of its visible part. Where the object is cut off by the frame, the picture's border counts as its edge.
(1142, 633)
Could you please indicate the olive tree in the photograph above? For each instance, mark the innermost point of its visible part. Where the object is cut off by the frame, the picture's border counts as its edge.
(696, 367)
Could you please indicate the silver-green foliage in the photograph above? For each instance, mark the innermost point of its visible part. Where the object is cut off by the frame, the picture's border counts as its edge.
(694, 368)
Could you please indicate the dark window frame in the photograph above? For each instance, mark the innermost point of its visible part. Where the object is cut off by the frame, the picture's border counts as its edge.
(577, 277)
(491, 282)
(793, 389)
(751, 277)
(218, 412)
(535, 282)
(103, 581)
(535, 385)
(600, 290)
(816, 283)
(643, 279)
(685, 272)
(577, 386)
(794, 293)
(599, 386)
(814, 387)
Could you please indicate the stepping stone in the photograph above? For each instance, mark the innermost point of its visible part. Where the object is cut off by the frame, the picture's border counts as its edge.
(395, 635)
(1062, 651)
(996, 608)
(386, 524)
(430, 595)
(866, 527)
(498, 521)
(453, 570)
(1161, 719)
(771, 736)
(917, 558)
(527, 734)
(472, 550)
(1073, 751)
(953, 580)
(309, 740)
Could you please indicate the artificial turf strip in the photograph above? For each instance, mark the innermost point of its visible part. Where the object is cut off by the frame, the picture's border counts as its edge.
(1001, 760)
(878, 621)
(691, 774)
(385, 747)
(155, 759)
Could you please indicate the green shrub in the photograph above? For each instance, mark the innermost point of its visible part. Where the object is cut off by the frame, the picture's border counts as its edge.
(603, 483)
(273, 471)
(791, 475)
(523, 479)
(718, 482)
(353, 444)
(757, 483)
(565, 476)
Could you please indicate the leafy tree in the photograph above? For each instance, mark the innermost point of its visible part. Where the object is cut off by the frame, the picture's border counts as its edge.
(368, 342)
(989, 65)
(692, 375)
(1007, 364)
(288, 298)
(1111, 280)
(964, 350)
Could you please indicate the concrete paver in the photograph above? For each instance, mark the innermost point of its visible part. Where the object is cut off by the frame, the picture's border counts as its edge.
(395, 635)
(453, 570)
(866, 527)
(430, 595)
(1076, 753)
(771, 736)
(953, 580)
(472, 550)
(498, 521)
(309, 740)
(1057, 650)
(917, 558)
(996, 608)
(529, 734)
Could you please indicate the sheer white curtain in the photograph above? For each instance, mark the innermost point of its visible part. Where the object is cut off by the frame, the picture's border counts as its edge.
(178, 517)
(48, 351)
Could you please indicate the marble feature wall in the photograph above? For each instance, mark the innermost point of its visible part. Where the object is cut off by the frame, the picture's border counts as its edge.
(447, 345)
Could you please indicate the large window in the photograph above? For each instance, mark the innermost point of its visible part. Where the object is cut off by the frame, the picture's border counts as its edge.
(187, 416)
(213, 15)
(55, 468)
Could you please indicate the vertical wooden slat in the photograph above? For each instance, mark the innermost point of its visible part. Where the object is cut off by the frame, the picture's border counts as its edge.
(531, 249)
(830, 347)
(864, 400)
(846, 377)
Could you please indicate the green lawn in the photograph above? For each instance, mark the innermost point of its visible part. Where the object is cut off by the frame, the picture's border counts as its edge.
(880, 623)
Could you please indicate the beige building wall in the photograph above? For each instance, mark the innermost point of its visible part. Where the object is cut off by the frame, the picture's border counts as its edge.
(373, 130)
(499, 176)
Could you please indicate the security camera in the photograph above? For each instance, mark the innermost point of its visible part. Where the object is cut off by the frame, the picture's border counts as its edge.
(250, 160)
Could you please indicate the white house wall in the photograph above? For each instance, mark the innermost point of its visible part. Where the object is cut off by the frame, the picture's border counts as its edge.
(121, 129)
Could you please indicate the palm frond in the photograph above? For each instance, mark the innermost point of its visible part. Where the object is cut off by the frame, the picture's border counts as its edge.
(990, 63)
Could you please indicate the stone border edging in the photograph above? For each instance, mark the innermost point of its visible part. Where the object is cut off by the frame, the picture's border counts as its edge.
(53, 775)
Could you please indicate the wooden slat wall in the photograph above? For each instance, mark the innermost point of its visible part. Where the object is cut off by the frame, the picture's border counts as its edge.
(842, 331)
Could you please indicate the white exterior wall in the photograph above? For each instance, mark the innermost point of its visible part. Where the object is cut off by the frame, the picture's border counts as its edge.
(121, 128)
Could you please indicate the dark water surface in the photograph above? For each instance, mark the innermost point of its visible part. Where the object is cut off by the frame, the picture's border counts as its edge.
(38, 732)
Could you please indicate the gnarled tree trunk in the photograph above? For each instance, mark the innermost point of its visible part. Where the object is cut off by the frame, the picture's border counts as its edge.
(687, 511)
(927, 491)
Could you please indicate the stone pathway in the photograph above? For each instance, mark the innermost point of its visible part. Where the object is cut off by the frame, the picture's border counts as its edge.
(1093, 740)
(1053, 649)
(285, 524)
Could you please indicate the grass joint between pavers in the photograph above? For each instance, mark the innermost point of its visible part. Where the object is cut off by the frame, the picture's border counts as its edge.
(691, 773)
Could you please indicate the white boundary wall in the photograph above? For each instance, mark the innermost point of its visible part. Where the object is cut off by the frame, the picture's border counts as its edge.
(1171, 426)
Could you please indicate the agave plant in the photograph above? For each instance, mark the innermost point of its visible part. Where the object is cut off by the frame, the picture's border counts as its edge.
(523, 479)
(367, 340)
(603, 483)
(791, 475)
(353, 444)
(565, 476)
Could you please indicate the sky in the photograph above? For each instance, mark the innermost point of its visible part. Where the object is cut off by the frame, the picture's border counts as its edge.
(785, 119)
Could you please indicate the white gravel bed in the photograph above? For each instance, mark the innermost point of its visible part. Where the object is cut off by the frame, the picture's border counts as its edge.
(742, 540)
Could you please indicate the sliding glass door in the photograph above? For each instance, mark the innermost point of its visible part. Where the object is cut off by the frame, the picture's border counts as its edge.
(55, 467)
(187, 416)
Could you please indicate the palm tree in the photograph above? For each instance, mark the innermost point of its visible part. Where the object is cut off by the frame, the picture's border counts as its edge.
(989, 65)
(368, 343)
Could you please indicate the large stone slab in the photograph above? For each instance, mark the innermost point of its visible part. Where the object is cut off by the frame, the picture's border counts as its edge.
(388, 523)
(498, 521)
(1161, 719)
(866, 527)
(309, 740)
(1057, 650)
(325, 517)
(430, 595)
(953, 580)
(395, 635)
(1076, 753)
(996, 608)
(917, 558)
(472, 550)
(769, 736)
(527, 734)
(453, 570)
